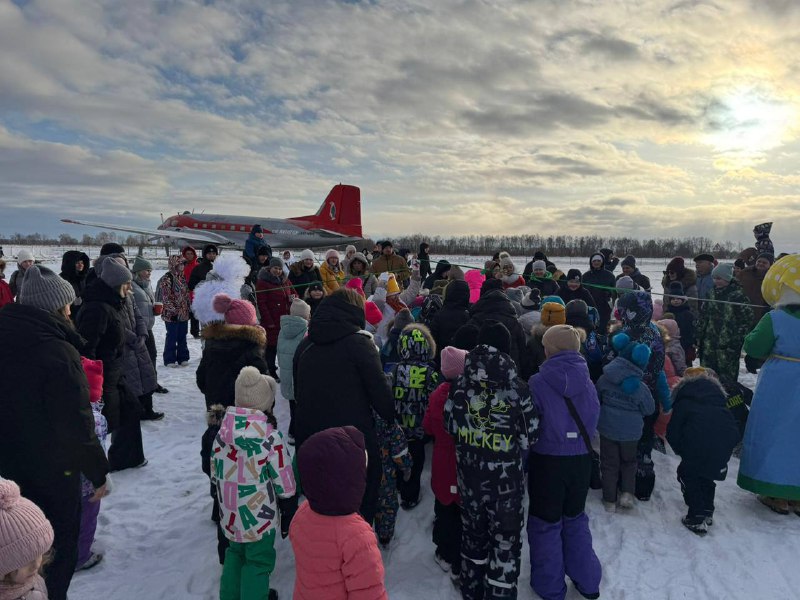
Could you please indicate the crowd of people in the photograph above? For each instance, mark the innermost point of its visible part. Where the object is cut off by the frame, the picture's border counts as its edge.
(518, 379)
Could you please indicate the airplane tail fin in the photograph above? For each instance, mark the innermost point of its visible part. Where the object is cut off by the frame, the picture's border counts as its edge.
(341, 211)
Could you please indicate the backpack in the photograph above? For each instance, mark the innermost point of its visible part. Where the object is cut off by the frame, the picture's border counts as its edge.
(430, 306)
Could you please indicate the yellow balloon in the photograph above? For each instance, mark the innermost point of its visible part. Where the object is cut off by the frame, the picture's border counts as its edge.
(785, 272)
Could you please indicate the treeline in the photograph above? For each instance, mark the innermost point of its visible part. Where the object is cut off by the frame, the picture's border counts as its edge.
(567, 245)
(65, 239)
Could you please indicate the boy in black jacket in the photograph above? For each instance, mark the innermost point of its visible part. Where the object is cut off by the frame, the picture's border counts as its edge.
(703, 433)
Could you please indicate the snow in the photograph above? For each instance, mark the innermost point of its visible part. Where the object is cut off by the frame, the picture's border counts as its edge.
(159, 541)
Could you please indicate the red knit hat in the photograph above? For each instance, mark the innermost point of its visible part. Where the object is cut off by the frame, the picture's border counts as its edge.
(94, 375)
(453, 362)
(25, 533)
(237, 312)
(372, 313)
(356, 284)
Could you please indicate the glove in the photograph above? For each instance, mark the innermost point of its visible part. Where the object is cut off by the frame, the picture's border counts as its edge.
(384, 277)
(287, 508)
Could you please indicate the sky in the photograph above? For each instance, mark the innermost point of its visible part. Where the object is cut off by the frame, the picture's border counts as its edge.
(641, 118)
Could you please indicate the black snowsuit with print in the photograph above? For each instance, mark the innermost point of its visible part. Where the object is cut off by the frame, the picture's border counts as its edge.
(490, 414)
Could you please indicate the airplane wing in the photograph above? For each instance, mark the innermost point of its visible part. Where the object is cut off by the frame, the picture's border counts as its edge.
(182, 233)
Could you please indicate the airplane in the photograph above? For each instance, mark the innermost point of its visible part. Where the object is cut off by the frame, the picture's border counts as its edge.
(337, 222)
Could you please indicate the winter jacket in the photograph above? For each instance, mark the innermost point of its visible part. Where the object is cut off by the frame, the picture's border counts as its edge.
(453, 314)
(598, 282)
(368, 280)
(534, 347)
(751, 279)
(442, 267)
(564, 374)
(332, 279)
(722, 329)
(293, 330)
(703, 431)
(413, 379)
(622, 411)
(227, 350)
(638, 278)
(251, 467)
(140, 374)
(670, 372)
(705, 283)
(495, 306)
(545, 284)
(685, 319)
(34, 589)
(47, 427)
(677, 356)
(274, 297)
(15, 282)
(6, 297)
(77, 279)
(424, 263)
(688, 279)
(145, 298)
(300, 277)
(489, 413)
(391, 264)
(251, 247)
(336, 343)
(443, 465)
(189, 266)
(173, 292)
(199, 273)
(567, 295)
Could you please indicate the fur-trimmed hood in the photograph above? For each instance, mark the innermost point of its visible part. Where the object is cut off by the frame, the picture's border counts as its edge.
(223, 331)
(214, 415)
(710, 390)
(416, 346)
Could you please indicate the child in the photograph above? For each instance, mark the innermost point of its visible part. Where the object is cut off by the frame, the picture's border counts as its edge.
(389, 351)
(313, 295)
(447, 506)
(559, 467)
(394, 458)
(90, 510)
(294, 327)
(681, 312)
(702, 432)
(252, 471)
(413, 380)
(25, 537)
(489, 412)
(173, 293)
(335, 549)
(553, 313)
(672, 345)
(624, 402)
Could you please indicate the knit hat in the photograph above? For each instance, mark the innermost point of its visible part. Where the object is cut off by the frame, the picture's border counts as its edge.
(141, 264)
(94, 376)
(392, 287)
(331, 254)
(44, 289)
(386, 244)
(372, 313)
(350, 248)
(676, 289)
(403, 318)
(465, 337)
(629, 261)
(254, 390)
(766, 256)
(561, 338)
(237, 312)
(256, 229)
(112, 271)
(576, 308)
(704, 256)
(356, 284)
(739, 263)
(514, 294)
(275, 262)
(553, 314)
(111, 248)
(556, 299)
(494, 333)
(672, 328)
(264, 251)
(315, 285)
(597, 256)
(539, 265)
(300, 308)
(210, 248)
(532, 299)
(24, 255)
(307, 254)
(491, 284)
(539, 255)
(25, 533)
(452, 361)
(506, 261)
(658, 309)
(676, 265)
(574, 274)
(723, 271)
(626, 283)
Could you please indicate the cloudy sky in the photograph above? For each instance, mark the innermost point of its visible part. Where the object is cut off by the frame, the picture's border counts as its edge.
(645, 117)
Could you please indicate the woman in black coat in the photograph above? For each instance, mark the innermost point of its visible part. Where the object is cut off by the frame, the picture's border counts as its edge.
(338, 381)
(47, 434)
(453, 314)
(74, 268)
(102, 322)
(424, 260)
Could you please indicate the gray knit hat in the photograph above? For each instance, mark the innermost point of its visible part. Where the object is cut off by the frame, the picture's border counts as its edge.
(112, 271)
(42, 288)
(141, 264)
(275, 262)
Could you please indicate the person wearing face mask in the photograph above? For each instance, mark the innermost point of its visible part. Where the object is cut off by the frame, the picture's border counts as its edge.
(24, 261)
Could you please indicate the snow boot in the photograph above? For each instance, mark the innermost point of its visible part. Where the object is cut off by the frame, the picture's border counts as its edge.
(93, 560)
(547, 558)
(273, 594)
(695, 525)
(152, 416)
(593, 596)
(611, 507)
(778, 505)
(409, 504)
(161, 389)
(581, 564)
(626, 500)
(443, 564)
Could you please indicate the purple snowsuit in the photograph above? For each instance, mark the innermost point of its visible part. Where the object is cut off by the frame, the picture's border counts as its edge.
(559, 469)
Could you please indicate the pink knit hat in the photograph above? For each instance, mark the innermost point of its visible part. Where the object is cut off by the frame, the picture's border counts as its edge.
(671, 325)
(356, 284)
(237, 312)
(372, 313)
(25, 533)
(453, 362)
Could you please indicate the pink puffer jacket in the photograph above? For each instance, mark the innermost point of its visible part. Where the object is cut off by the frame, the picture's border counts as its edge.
(336, 557)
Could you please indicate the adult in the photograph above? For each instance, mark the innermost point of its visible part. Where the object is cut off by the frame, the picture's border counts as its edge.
(74, 268)
(389, 262)
(629, 269)
(173, 293)
(304, 272)
(723, 325)
(550, 266)
(6, 297)
(255, 241)
(769, 464)
(358, 268)
(102, 322)
(678, 271)
(573, 289)
(703, 265)
(47, 436)
(494, 305)
(600, 283)
(439, 274)
(542, 280)
(144, 300)
(261, 261)
(189, 265)
(349, 252)
(453, 314)
(610, 261)
(25, 261)
(424, 260)
(748, 256)
(331, 271)
(204, 265)
(751, 279)
(337, 340)
(274, 294)
(510, 278)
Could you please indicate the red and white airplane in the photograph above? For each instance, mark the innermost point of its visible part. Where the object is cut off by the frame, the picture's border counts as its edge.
(337, 222)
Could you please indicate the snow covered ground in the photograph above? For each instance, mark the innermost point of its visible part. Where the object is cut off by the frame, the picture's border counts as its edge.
(159, 541)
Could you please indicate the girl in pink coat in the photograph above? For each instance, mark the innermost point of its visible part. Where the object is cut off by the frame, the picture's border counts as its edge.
(336, 553)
